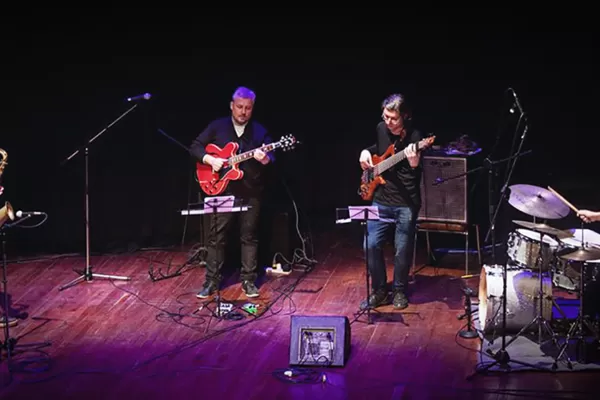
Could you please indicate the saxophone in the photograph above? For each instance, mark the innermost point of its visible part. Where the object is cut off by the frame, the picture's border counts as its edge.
(3, 162)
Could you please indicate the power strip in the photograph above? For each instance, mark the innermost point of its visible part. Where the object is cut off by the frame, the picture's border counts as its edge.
(279, 269)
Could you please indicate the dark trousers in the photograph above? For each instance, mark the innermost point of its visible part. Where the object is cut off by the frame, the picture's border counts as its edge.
(217, 239)
(403, 221)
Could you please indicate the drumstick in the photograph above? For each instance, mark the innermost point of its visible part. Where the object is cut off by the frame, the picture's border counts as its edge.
(571, 206)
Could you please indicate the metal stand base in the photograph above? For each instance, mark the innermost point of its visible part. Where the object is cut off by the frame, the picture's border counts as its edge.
(88, 276)
(503, 360)
(367, 310)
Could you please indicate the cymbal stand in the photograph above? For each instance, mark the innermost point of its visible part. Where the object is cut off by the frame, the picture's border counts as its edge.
(87, 274)
(580, 321)
(502, 358)
(539, 318)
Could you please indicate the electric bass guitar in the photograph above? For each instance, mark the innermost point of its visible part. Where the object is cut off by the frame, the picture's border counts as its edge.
(371, 177)
(215, 182)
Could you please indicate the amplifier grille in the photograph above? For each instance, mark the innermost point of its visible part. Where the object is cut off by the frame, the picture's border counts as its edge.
(447, 201)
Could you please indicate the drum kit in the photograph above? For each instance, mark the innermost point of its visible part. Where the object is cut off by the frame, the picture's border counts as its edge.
(540, 257)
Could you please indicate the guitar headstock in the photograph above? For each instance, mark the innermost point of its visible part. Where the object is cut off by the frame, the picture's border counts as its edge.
(425, 143)
(287, 142)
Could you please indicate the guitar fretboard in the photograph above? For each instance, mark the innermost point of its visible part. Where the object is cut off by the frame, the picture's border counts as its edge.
(389, 163)
(250, 154)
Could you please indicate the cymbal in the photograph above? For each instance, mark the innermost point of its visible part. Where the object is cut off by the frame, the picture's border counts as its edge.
(545, 229)
(537, 202)
(583, 254)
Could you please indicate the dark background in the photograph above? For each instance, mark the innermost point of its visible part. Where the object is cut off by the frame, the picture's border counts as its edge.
(63, 82)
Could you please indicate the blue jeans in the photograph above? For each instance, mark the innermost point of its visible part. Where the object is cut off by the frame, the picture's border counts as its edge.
(403, 219)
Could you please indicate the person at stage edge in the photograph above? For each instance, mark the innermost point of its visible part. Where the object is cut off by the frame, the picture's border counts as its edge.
(398, 201)
(249, 135)
(589, 216)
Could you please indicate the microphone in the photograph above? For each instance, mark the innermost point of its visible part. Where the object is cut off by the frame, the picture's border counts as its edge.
(517, 103)
(145, 96)
(21, 214)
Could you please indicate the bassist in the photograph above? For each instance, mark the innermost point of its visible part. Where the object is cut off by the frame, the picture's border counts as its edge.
(248, 135)
(398, 200)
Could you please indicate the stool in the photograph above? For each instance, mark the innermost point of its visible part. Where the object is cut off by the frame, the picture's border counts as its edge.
(446, 227)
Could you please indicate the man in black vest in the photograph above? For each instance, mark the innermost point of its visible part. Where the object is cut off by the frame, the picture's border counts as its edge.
(398, 201)
(249, 135)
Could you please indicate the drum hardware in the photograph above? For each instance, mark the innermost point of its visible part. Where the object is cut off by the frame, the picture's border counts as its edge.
(502, 357)
(468, 333)
(582, 319)
(522, 248)
(540, 320)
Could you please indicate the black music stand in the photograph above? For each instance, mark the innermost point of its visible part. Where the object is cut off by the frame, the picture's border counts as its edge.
(87, 274)
(214, 206)
(363, 214)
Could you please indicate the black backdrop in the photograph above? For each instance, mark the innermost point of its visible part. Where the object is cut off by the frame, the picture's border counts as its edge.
(64, 83)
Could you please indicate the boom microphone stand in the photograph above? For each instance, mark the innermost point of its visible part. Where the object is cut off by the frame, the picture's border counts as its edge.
(502, 358)
(87, 274)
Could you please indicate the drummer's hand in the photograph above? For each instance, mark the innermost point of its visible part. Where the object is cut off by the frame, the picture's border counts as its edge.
(588, 216)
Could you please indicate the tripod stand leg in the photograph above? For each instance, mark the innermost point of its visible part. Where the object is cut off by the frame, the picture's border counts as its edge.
(88, 276)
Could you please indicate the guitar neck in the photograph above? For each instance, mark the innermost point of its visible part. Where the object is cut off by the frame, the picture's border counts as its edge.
(389, 162)
(250, 153)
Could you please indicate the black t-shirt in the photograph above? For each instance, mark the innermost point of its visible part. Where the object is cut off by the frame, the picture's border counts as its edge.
(220, 132)
(403, 183)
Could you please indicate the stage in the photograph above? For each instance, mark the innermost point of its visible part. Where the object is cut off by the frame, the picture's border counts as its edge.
(145, 339)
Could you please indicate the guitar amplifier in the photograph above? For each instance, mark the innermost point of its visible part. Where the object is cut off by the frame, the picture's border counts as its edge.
(446, 201)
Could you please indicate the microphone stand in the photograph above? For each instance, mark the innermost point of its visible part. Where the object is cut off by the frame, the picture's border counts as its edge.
(87, 274)
(501, 357)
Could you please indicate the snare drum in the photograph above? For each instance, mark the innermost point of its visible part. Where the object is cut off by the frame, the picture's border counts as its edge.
(522, 289)
(523, 248)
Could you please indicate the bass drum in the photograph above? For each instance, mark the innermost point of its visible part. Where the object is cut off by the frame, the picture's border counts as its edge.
(522, 287)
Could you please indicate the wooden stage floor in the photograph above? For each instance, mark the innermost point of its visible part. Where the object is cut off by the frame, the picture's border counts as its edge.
(144, 339)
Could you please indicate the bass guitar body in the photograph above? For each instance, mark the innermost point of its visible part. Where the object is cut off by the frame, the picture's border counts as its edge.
(369, 180)
(214, 183)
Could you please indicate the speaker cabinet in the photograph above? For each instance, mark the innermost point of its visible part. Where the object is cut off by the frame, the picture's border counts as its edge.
(446, 201)
(319, 340)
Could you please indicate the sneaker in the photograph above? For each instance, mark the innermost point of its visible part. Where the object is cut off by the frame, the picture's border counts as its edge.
(250, 289)
(400, 300)
(375, 300)
(208, 290)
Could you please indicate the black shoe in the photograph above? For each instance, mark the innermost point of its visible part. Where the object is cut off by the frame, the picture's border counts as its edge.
(208, 290)
(375, 300)
(400, 300)
(250, 289)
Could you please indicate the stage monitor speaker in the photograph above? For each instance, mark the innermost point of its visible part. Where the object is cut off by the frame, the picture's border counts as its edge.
(446, 201)
(319, 340)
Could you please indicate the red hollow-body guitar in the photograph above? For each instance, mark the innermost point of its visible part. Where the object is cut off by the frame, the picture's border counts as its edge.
(371, 177)
(214, 183)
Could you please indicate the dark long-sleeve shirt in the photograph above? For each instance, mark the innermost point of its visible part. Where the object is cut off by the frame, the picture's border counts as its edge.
(220, 132)
(403, 183)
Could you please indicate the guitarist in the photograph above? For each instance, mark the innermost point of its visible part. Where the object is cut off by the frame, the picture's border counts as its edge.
(249, 135)
(398, 200)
